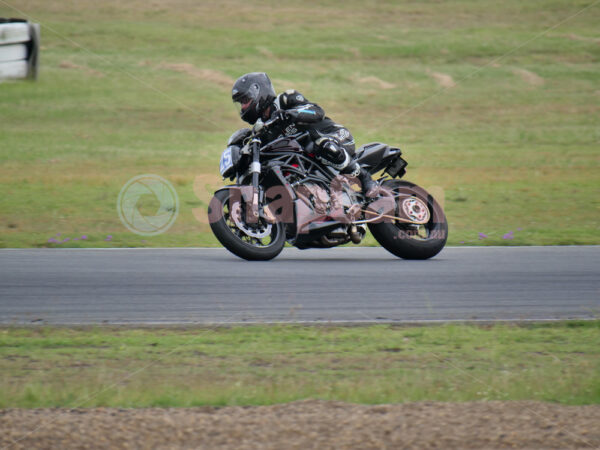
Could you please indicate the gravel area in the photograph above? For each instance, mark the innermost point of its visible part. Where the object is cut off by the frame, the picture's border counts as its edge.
(308, 424)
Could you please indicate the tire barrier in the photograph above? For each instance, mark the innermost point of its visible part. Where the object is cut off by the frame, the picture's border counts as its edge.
(19, 49)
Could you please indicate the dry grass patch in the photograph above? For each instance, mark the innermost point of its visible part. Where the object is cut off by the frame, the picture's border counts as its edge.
(210, 75)
(378, 82)
(529, 77)
(443, 79)
(308, 424)
(88, 70)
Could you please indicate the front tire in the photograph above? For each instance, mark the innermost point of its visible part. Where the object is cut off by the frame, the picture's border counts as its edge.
(411, 241)
(239, 241)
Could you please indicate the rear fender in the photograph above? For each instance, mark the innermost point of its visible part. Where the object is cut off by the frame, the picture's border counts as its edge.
(377, 156)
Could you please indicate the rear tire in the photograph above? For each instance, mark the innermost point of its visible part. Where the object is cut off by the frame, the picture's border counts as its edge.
(410, 241)
(235, 239)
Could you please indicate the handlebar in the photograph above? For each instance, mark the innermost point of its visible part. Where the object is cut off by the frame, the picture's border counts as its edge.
(268, 123)
(260, 125)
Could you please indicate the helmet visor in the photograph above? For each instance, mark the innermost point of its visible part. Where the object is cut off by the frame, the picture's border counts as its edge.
(247, 99)
(243, 103)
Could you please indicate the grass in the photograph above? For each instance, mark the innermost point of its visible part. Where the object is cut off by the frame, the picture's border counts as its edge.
(258, 365)
(129, 88)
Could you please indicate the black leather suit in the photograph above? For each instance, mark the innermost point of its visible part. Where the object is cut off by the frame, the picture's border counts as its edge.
(334, 145)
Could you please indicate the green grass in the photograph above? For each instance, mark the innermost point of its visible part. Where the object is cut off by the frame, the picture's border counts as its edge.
(257, 365)
(122, 92)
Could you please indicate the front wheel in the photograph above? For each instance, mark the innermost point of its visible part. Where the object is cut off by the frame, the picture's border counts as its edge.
(407, 240)
(258, 241)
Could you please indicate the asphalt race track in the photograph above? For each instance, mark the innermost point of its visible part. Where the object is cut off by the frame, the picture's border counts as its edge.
(144, 286)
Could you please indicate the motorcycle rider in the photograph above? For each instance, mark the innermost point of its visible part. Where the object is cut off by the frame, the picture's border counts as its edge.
(334, 145)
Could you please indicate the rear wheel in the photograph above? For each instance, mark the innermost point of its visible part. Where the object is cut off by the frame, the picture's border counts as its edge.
(258, 241)
(408, 240)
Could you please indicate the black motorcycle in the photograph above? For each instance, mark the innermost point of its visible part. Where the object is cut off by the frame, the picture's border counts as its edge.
(284, 193)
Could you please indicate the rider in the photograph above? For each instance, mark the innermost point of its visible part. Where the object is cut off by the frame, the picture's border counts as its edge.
(334, 145)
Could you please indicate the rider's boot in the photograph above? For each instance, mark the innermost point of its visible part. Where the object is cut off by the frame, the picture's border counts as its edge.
(369, 187)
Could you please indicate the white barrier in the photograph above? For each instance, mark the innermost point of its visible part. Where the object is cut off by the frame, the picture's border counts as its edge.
(13, 69)
(15, 52)
(19, 49)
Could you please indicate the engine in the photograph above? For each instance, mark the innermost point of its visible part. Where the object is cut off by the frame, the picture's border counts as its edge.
(339, 203)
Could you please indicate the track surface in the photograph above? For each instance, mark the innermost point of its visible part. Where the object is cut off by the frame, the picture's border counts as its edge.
(82, 286)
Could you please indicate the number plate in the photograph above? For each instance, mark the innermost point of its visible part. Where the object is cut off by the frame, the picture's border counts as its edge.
(226, 161)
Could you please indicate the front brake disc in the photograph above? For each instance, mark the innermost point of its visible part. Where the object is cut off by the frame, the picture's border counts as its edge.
(259, 231)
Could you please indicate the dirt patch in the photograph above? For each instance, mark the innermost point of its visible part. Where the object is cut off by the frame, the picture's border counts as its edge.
(529, 77)
(443, 79)
(213, 76)
(308, 424)
(377, 81)
(576, 37)
(354, 51)
(265, 52)
(86, 69)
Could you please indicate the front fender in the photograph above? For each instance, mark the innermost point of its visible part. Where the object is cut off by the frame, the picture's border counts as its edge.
(236, 194)
(241, 190)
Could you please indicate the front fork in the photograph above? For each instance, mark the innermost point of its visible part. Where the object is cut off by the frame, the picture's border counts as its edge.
(252, 195)
(255, 169)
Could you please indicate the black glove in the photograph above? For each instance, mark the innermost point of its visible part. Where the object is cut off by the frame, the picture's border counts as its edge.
(292, 114)
(280, 115)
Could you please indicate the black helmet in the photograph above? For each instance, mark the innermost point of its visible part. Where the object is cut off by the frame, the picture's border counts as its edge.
(254, 92)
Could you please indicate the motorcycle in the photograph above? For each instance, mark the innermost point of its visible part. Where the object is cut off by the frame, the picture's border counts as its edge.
(283, 193)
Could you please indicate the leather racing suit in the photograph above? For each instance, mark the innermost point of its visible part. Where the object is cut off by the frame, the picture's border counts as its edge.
(334, 144)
